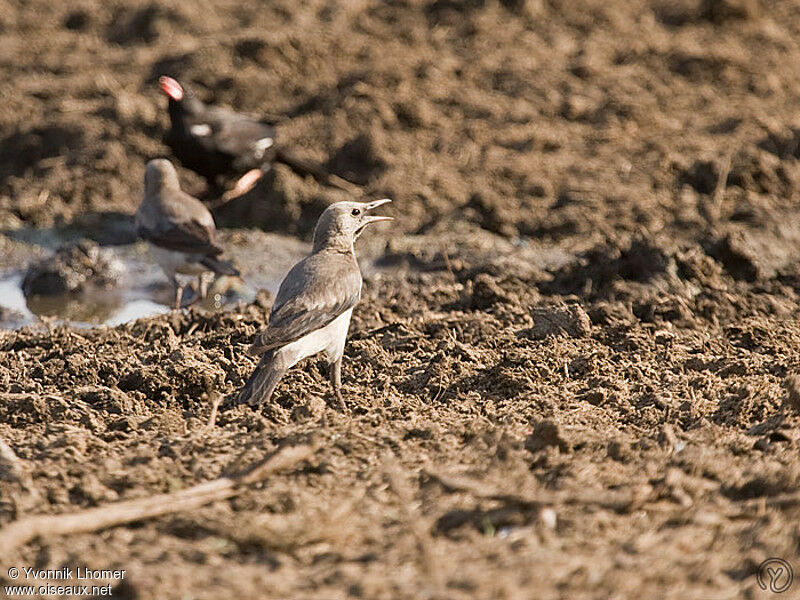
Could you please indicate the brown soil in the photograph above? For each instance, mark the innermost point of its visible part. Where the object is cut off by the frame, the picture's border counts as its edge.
(568, 374)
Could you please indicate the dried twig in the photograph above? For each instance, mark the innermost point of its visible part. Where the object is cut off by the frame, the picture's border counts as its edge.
(24, 530)
(216, 398)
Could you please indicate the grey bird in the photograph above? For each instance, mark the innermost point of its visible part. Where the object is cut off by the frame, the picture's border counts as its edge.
(312, 310)
(179, 228)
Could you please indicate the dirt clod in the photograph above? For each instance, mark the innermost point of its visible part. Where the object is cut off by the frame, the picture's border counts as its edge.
(72, 269)
(546, 434)
(792, 384)
(571, 320)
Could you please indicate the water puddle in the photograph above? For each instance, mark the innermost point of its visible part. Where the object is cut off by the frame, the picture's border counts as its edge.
(144, 290)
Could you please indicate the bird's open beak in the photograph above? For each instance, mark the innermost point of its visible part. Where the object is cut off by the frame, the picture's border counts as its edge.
(374, 219)
(171, 88)
(367, 219)
(377, 203)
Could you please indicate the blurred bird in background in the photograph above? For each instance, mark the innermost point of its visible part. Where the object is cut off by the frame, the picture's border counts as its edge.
(180, 230)
(216, 142)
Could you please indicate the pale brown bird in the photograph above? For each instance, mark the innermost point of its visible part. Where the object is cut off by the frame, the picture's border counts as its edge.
(179, 228)
(312, 310)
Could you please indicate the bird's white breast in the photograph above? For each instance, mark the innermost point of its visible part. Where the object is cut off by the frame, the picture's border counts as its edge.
(329, 339)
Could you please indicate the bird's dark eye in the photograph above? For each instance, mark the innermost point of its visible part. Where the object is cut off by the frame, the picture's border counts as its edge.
(356, 212)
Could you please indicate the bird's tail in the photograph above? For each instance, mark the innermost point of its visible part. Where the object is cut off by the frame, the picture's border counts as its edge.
(318, 172)
(220, 266)
(262, 382)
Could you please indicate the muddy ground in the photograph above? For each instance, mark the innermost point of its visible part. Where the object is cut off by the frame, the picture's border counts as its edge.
(571, 372)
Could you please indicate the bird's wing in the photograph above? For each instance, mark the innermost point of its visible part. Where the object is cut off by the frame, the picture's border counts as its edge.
(174, 220)
(311, 297)
(191, 237)
(234, 134)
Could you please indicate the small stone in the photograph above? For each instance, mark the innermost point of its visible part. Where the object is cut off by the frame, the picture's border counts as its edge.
(123, 424)
(594, 397)
(571, 320)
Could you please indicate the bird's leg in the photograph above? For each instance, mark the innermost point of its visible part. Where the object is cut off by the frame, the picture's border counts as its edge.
(202, 286)
(336, 380)
(178, 293)
(244, 184)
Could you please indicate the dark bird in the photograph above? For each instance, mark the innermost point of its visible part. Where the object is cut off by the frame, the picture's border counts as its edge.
(179, 228)
(216, 142)
(312, 310)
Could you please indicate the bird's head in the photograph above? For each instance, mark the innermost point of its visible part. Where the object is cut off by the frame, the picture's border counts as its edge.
(171, 88)
(341, 223)
(158, 174)
(180, 99)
